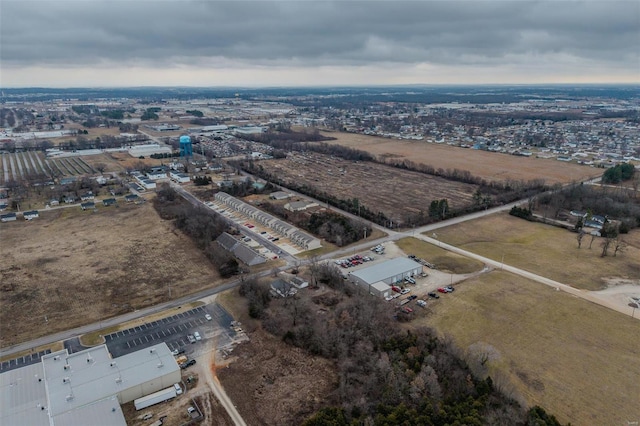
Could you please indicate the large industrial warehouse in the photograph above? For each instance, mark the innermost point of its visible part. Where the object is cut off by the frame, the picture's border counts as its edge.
(84, 388)
(376, 277)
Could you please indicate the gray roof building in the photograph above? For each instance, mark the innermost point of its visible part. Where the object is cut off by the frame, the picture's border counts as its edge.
(391, 271)
(84, 388)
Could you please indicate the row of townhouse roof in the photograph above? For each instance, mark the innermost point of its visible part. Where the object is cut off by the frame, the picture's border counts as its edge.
(297, 236)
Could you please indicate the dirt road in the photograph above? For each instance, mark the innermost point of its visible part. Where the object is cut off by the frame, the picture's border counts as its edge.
(218, 390)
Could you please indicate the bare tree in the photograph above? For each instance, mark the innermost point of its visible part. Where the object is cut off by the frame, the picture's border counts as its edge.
(606, 243)
(619, 245)
(479, 355)
(101, 167)
(580, 237)
(593, 237)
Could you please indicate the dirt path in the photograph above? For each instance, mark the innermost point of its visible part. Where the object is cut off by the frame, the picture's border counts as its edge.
(211, 379)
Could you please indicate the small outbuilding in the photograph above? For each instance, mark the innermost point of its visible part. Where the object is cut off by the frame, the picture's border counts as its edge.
(31, 214)
(8, 217)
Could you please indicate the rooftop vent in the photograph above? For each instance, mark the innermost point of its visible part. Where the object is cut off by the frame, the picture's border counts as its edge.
(119, 380)
(112, 364)
(160, 365)
(65, 380)
(57, 357)
(66, 366)
(69, 397)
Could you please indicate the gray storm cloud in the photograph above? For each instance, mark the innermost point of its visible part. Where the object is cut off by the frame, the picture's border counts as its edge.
(312, 33)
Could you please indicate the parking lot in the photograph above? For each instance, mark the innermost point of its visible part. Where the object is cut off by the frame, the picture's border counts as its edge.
(173, 331)
(22, 361)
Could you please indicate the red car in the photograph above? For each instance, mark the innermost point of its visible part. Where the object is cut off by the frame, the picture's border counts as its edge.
(442, 290)
(396, 289)
(407, 310)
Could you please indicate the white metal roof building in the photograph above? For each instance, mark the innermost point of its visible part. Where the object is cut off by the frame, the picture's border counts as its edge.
(84, 388)
(389, 272)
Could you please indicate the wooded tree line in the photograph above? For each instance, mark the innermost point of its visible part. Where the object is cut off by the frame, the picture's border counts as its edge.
(616, 203)
(386, 376)
(619, 173)
(200, 224)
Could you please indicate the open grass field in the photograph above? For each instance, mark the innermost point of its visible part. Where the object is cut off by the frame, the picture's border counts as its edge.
(484, 164)
(444, 260)
(76, 267)
(125, 161)
(580, 361)
(546, 250)
(382, 188)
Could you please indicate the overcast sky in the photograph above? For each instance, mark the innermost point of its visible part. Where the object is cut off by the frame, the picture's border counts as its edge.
(57, 43)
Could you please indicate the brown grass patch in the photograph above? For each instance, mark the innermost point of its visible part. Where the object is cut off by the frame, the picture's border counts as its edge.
(544, 249)
(578, 360)
(124, 160)
(487, 165)
(273, 383)
(444, 260)
(80, 267)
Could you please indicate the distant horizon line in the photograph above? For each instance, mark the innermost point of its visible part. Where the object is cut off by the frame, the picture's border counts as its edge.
(334, 86)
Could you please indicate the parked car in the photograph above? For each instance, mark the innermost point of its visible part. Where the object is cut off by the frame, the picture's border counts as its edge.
(197, 336)
(207, 317)
(442, 290)
(405, 290)
(433, 295)
(188, 364)
(449, 289)
(190, 338)
(396, 289)
(407, 310)
(421, 303)
(178, 389)
(177, 352)
(147, 416)
(413, 296)
(388, 298)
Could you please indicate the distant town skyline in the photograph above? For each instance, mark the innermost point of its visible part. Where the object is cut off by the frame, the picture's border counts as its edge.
(99, 43)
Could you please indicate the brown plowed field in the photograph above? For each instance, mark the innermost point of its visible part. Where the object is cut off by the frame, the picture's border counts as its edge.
(393, 191)
(484, 164)
(76, 267)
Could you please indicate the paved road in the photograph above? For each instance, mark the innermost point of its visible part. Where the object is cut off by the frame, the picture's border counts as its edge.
(78, 331)
(246, 231)
(583, 294)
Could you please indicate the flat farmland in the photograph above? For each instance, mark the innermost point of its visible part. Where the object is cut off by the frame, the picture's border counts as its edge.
(579, 361)
(76, 267)
(393, 191)
(487, 165)
(25, 165)
(546, 250)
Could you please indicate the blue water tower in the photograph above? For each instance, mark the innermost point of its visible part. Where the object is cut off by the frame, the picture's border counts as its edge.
(186, 148)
